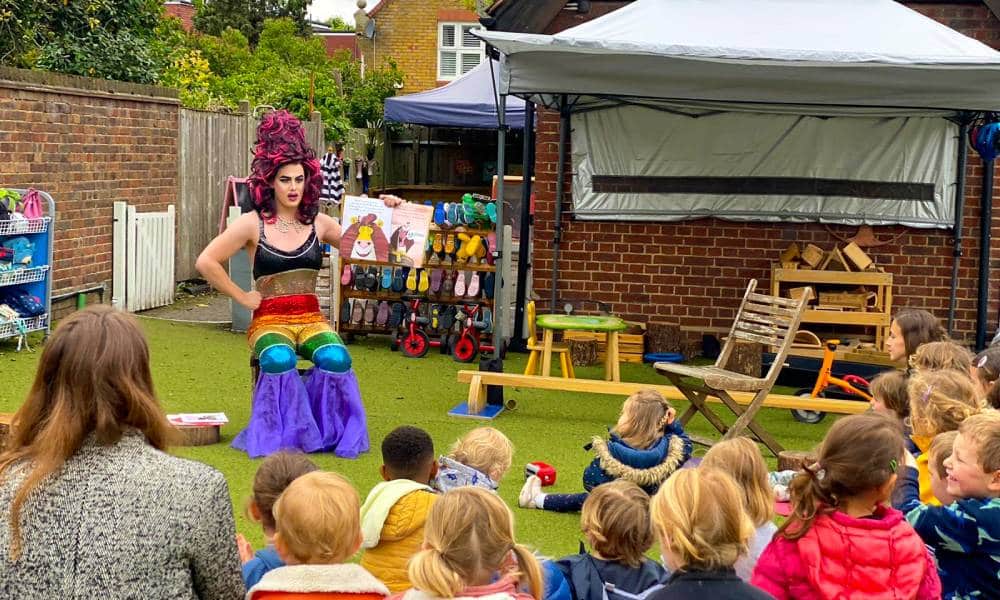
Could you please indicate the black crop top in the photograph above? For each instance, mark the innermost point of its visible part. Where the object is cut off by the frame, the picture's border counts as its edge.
(269, 260)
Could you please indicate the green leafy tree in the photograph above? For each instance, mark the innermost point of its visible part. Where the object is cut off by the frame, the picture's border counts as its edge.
(248, 16)
(339, 24)
(98, 38)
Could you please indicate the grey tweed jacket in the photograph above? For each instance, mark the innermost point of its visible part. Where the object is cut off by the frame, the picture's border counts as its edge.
(122, 521)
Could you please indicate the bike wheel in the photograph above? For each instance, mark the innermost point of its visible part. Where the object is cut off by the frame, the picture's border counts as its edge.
(809, 417)
(465, 349)
(416, 344)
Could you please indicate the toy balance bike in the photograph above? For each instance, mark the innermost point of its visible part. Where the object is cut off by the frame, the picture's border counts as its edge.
(412, 340)
(851, 387)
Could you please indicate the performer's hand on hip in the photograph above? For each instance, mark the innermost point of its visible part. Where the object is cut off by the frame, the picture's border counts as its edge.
(250, 300)
(391, 200)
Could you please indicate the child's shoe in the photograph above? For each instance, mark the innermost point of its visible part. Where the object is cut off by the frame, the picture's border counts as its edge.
(532, 489)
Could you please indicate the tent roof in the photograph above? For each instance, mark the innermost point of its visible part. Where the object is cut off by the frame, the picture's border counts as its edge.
(851, 53)
(469, 101)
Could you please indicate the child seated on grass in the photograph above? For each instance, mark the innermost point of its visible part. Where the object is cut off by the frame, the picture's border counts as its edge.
(939, 402)
(843, 497)
(941, 449)
(698, 516)
(645, 447)
(936, 356)
(985, 372)
(891, 397)
(318, 528)
(275, 474)
(479, 458)
(965, 536)
(393, 515)
(615, 521)
(742, 460)
(470, 552)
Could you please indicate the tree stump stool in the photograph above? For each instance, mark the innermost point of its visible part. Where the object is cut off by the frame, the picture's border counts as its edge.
(794, 460)
(583, 353)
(664, 338)
(199, 435)
(746, 358)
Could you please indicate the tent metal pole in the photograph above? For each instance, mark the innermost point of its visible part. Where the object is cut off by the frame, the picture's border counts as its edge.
(499, 303)
(517, 341)
(957, 230)
(985, 221)
(560, 193)
(385, 151)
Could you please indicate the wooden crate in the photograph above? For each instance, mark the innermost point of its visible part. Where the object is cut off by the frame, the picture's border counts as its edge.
(630, 345)
(851, 300)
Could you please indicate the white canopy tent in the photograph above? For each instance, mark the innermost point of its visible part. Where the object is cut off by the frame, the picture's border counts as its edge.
(662, 90)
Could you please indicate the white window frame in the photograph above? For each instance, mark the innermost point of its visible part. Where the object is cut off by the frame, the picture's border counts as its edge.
(459, 49)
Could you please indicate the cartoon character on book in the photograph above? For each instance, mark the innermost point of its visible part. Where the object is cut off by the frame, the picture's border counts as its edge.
(401, 242)
(321, 411)
(366, 239)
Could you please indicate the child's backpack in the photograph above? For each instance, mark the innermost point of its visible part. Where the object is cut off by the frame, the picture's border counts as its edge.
(31, 204)
(612, 593)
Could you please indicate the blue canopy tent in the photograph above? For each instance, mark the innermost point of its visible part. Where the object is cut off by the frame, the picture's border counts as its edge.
(469, 101)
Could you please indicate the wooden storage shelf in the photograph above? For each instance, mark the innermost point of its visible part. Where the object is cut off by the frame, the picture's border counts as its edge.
(427, 267)
(877, 316)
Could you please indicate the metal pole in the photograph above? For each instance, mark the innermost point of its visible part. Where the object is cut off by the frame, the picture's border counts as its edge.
(959, 209)
(985, 221)
(560, 193)
(499, 308)
(517, 341)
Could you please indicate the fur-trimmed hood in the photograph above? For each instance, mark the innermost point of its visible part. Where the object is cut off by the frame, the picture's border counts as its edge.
(645, 468)
(345, 578)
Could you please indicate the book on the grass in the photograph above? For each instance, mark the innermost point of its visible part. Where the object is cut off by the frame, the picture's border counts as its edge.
(375, 232)
(198, 419)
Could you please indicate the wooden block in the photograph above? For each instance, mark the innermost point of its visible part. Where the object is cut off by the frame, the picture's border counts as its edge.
(664, 337)
(5, 420)
(794, 460)
(789, 265)
(796, 292)
(583, 352)
(834, 261)
(791, 253)
(856, 255)
(201, 435)
(812, 255)
(852, 300)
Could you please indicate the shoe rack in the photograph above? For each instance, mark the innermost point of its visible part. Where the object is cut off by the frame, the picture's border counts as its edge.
(458, 270)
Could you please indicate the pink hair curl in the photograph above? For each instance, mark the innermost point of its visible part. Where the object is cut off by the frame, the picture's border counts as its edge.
(281, 141)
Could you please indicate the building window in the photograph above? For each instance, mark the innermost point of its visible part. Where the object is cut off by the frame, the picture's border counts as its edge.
(458, 50)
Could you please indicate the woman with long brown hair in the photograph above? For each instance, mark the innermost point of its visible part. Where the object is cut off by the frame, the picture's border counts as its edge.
(90, 504)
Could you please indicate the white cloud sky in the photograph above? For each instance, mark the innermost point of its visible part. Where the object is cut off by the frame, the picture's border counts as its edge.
(321, 10)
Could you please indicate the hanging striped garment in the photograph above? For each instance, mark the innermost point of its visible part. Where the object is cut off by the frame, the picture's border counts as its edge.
(333, 178)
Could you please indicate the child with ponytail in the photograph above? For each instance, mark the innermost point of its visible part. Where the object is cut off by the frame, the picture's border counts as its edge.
(985, 373)
(843, 496)
(470, 552)
(646, 446)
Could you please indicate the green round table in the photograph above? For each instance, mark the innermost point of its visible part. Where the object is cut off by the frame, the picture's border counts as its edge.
(609, 325)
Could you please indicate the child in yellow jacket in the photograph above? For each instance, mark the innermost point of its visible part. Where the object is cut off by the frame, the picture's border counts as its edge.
(393, 515)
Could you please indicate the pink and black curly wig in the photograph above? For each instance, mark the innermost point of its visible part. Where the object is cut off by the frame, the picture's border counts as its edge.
(282, 141)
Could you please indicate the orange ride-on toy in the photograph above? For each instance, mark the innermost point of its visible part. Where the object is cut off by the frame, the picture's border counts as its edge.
(851, 387)
(466, 344)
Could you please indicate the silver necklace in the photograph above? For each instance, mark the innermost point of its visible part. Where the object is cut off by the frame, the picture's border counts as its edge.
(284, 225)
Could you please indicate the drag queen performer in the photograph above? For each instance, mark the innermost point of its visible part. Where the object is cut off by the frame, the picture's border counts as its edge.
(283, 237)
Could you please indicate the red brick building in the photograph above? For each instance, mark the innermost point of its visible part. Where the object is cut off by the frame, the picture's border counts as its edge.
(183, 10)
(694, 272)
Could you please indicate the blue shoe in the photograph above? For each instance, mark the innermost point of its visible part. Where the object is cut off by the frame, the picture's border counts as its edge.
(488, 284)
(386, 278)
(491, 211)
(454, 210)
(439, 214)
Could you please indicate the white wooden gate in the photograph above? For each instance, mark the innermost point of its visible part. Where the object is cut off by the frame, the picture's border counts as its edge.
(143, 258)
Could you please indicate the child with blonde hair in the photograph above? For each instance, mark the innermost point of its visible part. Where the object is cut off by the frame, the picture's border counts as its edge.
(941, 449)
(480, 458)
(646, 446)
(742, 460)
(935, 356)
(985, 372)
(275, 474)
(843, 497)
(470, 552)
(965, 534)
(703, 530)
(317, 529)
(615, 521)
(939, 402)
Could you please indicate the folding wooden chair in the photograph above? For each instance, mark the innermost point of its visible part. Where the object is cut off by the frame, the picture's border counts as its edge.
(768, 320)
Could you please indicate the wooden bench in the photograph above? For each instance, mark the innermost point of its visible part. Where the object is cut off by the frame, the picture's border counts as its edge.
(478, 380)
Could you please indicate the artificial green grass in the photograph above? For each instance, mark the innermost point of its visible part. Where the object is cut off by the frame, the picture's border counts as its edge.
(200, 368)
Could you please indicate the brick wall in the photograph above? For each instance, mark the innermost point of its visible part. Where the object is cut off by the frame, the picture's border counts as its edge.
(89, 143)
(183, 11)
(407, 32)
(694, 272)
